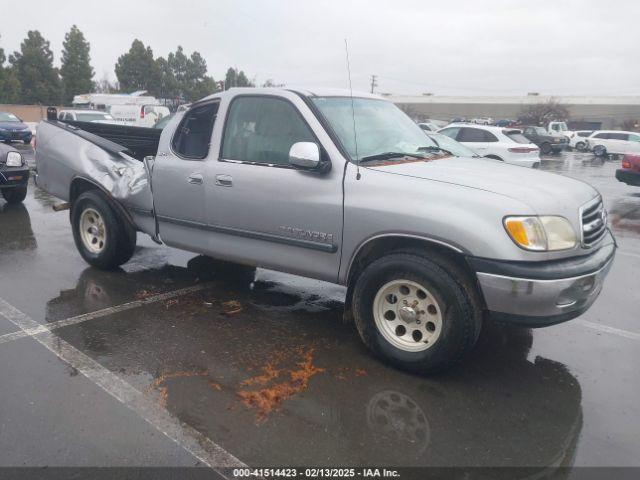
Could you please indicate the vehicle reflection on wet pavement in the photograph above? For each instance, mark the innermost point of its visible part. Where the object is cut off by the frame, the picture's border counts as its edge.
(267, 368)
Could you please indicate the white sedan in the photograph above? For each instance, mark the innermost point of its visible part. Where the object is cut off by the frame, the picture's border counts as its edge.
(505, 144)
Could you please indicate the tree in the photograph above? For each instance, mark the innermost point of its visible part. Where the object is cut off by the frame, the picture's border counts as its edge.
(543, 113)
(104, 85)
(190, 75)
(137, 70)
(33, 66)
(76, 70)
(235, 78)
(9, 83)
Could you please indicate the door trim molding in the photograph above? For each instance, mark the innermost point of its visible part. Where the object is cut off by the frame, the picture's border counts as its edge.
(267, 237)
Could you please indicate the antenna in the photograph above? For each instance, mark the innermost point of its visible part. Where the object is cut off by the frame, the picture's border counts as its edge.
(353, 111)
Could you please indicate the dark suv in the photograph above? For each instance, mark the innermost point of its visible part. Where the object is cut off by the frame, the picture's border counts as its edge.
(14, 174)
(548, 143)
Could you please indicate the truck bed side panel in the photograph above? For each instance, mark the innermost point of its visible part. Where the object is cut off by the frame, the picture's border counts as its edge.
(64, 154)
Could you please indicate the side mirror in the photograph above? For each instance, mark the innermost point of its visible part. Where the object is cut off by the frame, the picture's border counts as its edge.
(305, 155)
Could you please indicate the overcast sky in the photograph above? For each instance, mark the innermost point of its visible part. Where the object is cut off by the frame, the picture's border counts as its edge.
(497, 47)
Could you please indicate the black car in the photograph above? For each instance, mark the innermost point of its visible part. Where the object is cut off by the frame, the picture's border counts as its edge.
(547, 142)
(14, 174)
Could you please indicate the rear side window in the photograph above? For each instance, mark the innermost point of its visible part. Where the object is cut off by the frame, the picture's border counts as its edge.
(262, 130)
(601, 135)
(618, 136)
(516, 136)
(193, 135)
(472, 135)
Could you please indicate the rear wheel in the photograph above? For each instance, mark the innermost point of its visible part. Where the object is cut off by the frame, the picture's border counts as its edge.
(546, 148)
(15, 194)
(415, 313)
(103, 238)
(599, 150)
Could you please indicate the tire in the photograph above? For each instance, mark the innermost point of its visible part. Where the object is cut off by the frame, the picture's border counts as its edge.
(447, 328)
(546, 148)
(599, 151)
(580, 146)
(494, 157)
(103, 239)
(15, 194)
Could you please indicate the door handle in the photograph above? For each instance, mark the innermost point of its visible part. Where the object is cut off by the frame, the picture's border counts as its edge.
(195, 179)
(224, 180)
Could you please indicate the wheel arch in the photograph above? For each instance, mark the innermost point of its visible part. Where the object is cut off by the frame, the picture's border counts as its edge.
(381, 245)
(79, 185)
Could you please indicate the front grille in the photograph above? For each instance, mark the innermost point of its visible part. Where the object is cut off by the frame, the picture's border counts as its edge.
(594, 222)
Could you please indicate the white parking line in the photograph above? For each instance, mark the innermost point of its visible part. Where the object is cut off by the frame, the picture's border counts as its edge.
(203, 448)
(607, 329)
(628, 254)
(39, 328)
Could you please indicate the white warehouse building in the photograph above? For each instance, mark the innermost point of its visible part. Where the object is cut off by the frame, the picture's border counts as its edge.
(584, 112)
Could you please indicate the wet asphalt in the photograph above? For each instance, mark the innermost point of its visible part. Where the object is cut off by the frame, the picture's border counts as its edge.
(561, 396)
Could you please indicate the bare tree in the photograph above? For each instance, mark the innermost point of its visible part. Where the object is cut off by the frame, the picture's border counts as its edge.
(105, 86)
(543, 113)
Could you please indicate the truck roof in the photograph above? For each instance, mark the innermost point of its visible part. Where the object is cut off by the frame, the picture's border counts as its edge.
(307, 92)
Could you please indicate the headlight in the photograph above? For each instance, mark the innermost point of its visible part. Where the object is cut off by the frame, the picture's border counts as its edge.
(541, 233)
(14, 159)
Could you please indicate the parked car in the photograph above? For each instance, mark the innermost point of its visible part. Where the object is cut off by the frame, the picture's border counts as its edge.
(505, 122)
(613, 142)
(13, 129)
(426, 243)
(450, 145)
(139, 115)
(14, 174)
(428, 126)
(482, 121)
(547, 142)
(578, 141)
(85, 116)
(505, 144)
(630, 171)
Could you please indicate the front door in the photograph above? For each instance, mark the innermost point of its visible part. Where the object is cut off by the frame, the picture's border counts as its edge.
(179, 180)
(270, 213)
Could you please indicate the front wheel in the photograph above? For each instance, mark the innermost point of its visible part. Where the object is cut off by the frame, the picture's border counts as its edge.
(103, 239)
(415, 312)
(580, 146)
(599, 151)
(15, 194)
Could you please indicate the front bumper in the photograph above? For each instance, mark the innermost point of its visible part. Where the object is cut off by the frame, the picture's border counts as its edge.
(13, 176)
(537, 294)
(18, 135)
(629, 177)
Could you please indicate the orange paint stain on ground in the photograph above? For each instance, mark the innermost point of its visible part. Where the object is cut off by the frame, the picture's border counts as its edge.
(269, 398)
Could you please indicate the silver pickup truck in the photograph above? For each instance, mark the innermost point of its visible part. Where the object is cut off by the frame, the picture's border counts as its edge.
(347, 190)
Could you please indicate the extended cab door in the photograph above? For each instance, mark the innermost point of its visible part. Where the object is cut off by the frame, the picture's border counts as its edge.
(268, 212)
(179, 179)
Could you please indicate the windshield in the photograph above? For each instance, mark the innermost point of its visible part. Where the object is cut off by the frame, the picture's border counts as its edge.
(92, 117)
(449, 144)
(163, 122)
(381, 127)
(8, 117)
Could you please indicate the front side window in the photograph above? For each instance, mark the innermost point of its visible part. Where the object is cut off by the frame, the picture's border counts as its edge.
(634, 137)
(584, 134)
(262, 130)
(601, 135)
(193, 135)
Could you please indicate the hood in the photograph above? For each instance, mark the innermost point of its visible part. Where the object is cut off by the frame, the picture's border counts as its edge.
(13, 125)
(544, 192)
